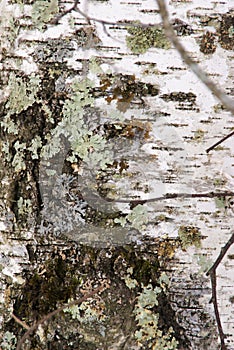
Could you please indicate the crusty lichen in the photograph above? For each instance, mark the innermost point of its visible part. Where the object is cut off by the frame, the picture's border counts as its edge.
(189, 235)
(22, 93)
(43, 12)
(142, 38)
(8, 341)
(149, 331)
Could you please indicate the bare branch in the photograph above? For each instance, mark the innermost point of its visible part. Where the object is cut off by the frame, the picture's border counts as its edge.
(22, 323)
(221, 255)
(220, 141)
(222, 96)
(57, 18)
(57, 311)
(213, 278)
(174, 195)
(98, 20)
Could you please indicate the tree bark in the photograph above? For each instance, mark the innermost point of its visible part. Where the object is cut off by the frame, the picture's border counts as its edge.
(99, 115)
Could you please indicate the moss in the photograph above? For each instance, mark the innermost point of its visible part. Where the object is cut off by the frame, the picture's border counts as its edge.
(135, 301)
(42, 291)
(142, 38)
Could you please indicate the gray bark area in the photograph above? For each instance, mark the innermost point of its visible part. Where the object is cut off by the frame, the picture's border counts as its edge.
(157, 120)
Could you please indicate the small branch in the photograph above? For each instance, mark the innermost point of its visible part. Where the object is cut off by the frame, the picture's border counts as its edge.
(22, 323)
(57, 18)
(213, 278)
(57, 311)
(173, 195)
(94, 19)
(220, 141)
(222, 97)
(221, 255)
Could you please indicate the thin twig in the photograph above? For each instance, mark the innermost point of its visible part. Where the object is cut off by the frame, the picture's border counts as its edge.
(57, 18)
(57, 311)
(220, 141)
(173, 195)
(98, 20)
(221, 255)
(22, 323)
(213, 278)
(169, 31)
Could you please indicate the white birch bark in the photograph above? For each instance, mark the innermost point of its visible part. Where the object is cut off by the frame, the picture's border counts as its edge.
(172, 159)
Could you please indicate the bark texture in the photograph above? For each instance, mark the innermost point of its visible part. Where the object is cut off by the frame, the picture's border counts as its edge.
(98, 110)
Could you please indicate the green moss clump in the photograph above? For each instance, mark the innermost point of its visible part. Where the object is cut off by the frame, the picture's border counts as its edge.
(142, 38)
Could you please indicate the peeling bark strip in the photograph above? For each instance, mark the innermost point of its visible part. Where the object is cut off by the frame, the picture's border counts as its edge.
(104, 132)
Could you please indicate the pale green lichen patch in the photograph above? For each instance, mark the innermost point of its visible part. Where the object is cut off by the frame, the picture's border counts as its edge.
(189, 235)
(9, 341)
(24, 206)
(43, 12)
(142, 38)
(148, 321)
(85, 143)
(18, 161)
(22, 93)
(138, 217)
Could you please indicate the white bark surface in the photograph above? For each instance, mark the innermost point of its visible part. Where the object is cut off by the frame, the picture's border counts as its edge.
(172, 160)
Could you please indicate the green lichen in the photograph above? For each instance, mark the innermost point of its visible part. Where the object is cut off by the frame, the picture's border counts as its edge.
(5, 148)
(24, 206)
(35, 147)
(43, 11)
(189, 235)
(22, 93)
(204, 263)
(142, 38)
(18, 161)
(138, 218)
(10, 126)
(148, 321)
(9, 341)
(85, 144)
(85, 313)
(9, 27)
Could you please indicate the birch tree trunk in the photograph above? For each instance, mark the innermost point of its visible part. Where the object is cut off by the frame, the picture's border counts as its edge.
(99, 115)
